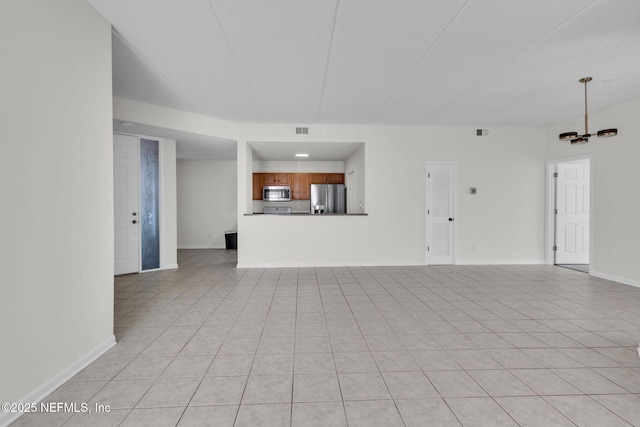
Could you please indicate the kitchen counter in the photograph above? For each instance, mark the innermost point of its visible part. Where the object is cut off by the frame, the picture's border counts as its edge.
(305, 214)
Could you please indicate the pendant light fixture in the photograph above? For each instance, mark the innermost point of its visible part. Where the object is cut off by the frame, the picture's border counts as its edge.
(583, 139)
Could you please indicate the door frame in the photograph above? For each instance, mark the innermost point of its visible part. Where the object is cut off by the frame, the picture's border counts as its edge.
(550, 204)
(427, 205)
(161, 206)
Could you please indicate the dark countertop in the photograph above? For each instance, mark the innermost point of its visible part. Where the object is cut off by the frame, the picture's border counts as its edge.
(306, 214)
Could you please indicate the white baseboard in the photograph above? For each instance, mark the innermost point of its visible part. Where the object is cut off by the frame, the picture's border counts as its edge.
(202, 247)
(500, 262)
(618, 279)
(170, 266)
(57, 380)
(328, 264)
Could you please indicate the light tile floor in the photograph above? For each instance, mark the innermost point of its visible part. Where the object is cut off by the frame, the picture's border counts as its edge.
(209, 344)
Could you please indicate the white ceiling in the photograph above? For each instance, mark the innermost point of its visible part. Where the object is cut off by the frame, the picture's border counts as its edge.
(476, 62)
(317, 151)
(189, 146)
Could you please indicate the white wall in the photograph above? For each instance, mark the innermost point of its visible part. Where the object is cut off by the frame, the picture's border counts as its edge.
(56, 186)
(168, 205)
(207, 202)
(356, 164)
(615, 196)
(504, 221)
(302, 166)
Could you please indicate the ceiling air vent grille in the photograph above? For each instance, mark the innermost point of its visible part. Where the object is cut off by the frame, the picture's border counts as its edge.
(482, 132)
(302, 131)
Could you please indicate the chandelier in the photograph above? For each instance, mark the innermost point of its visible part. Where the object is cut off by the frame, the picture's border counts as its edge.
(584, 138)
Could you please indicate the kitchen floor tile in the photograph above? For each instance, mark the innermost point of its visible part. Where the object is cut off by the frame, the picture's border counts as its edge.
(588, 381)
(231, 365)
(273, 415)
(373, 413)
(272, 364)
(219, 391)
(268, 389)
(480, 412)
(363, 386)
(626, 406)
(435, 360)
(624, 377)
(122, 394)
(419, 412)
(533, 411)
(358, 337)
(318, 414)
(160, 417)
(316, 388)
(584, 411)
(355, 362)
(394, 361)
(314, 363)
(188, 366)
(455, 384)
(474, 359)
(544, 382)
(409, 385)
(167, 392)
(214, 416)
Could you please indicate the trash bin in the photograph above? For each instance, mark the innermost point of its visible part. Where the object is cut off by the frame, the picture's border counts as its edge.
(231, 239)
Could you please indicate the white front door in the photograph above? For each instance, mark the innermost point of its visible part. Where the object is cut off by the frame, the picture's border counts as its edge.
(126, 203)
(572, 217)
(440, 219)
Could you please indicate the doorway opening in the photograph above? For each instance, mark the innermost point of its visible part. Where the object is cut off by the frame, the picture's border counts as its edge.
(569, 209)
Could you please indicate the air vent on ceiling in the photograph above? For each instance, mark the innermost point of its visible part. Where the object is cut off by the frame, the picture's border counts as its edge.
(302, 131)
(482, 132)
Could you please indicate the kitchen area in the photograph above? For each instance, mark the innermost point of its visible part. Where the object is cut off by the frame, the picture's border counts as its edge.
(301, 211)
(309, 179)
(283, 193)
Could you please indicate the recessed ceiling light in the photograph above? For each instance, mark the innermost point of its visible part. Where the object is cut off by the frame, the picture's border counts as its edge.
(127, 124)
(302, 155)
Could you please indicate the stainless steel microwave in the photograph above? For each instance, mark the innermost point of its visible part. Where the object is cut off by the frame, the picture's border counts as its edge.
(276, 193)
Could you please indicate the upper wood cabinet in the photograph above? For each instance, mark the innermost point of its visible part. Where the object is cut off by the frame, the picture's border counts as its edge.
(277, 178)
(299, 182)
(257, 186)
(335, 178)
(326, 178)
(317, 178)
(299, 186)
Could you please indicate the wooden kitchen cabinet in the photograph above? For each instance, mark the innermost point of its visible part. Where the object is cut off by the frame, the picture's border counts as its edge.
(277, 178)
(326, 178)
(335, 178)
(317, 178)
(300, 186)
(257, 186)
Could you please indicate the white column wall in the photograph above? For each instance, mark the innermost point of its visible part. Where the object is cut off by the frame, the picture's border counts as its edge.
(615, 196)
(56, 187)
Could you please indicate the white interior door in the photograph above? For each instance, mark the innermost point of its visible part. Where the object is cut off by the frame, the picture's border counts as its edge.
(572, 216)
(440, 219)
(126, 203)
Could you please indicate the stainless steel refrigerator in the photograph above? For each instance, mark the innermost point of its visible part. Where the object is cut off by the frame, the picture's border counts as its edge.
(328, 199)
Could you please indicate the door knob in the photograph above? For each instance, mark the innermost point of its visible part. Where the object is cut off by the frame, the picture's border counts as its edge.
(134, 222)
(450, 219)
